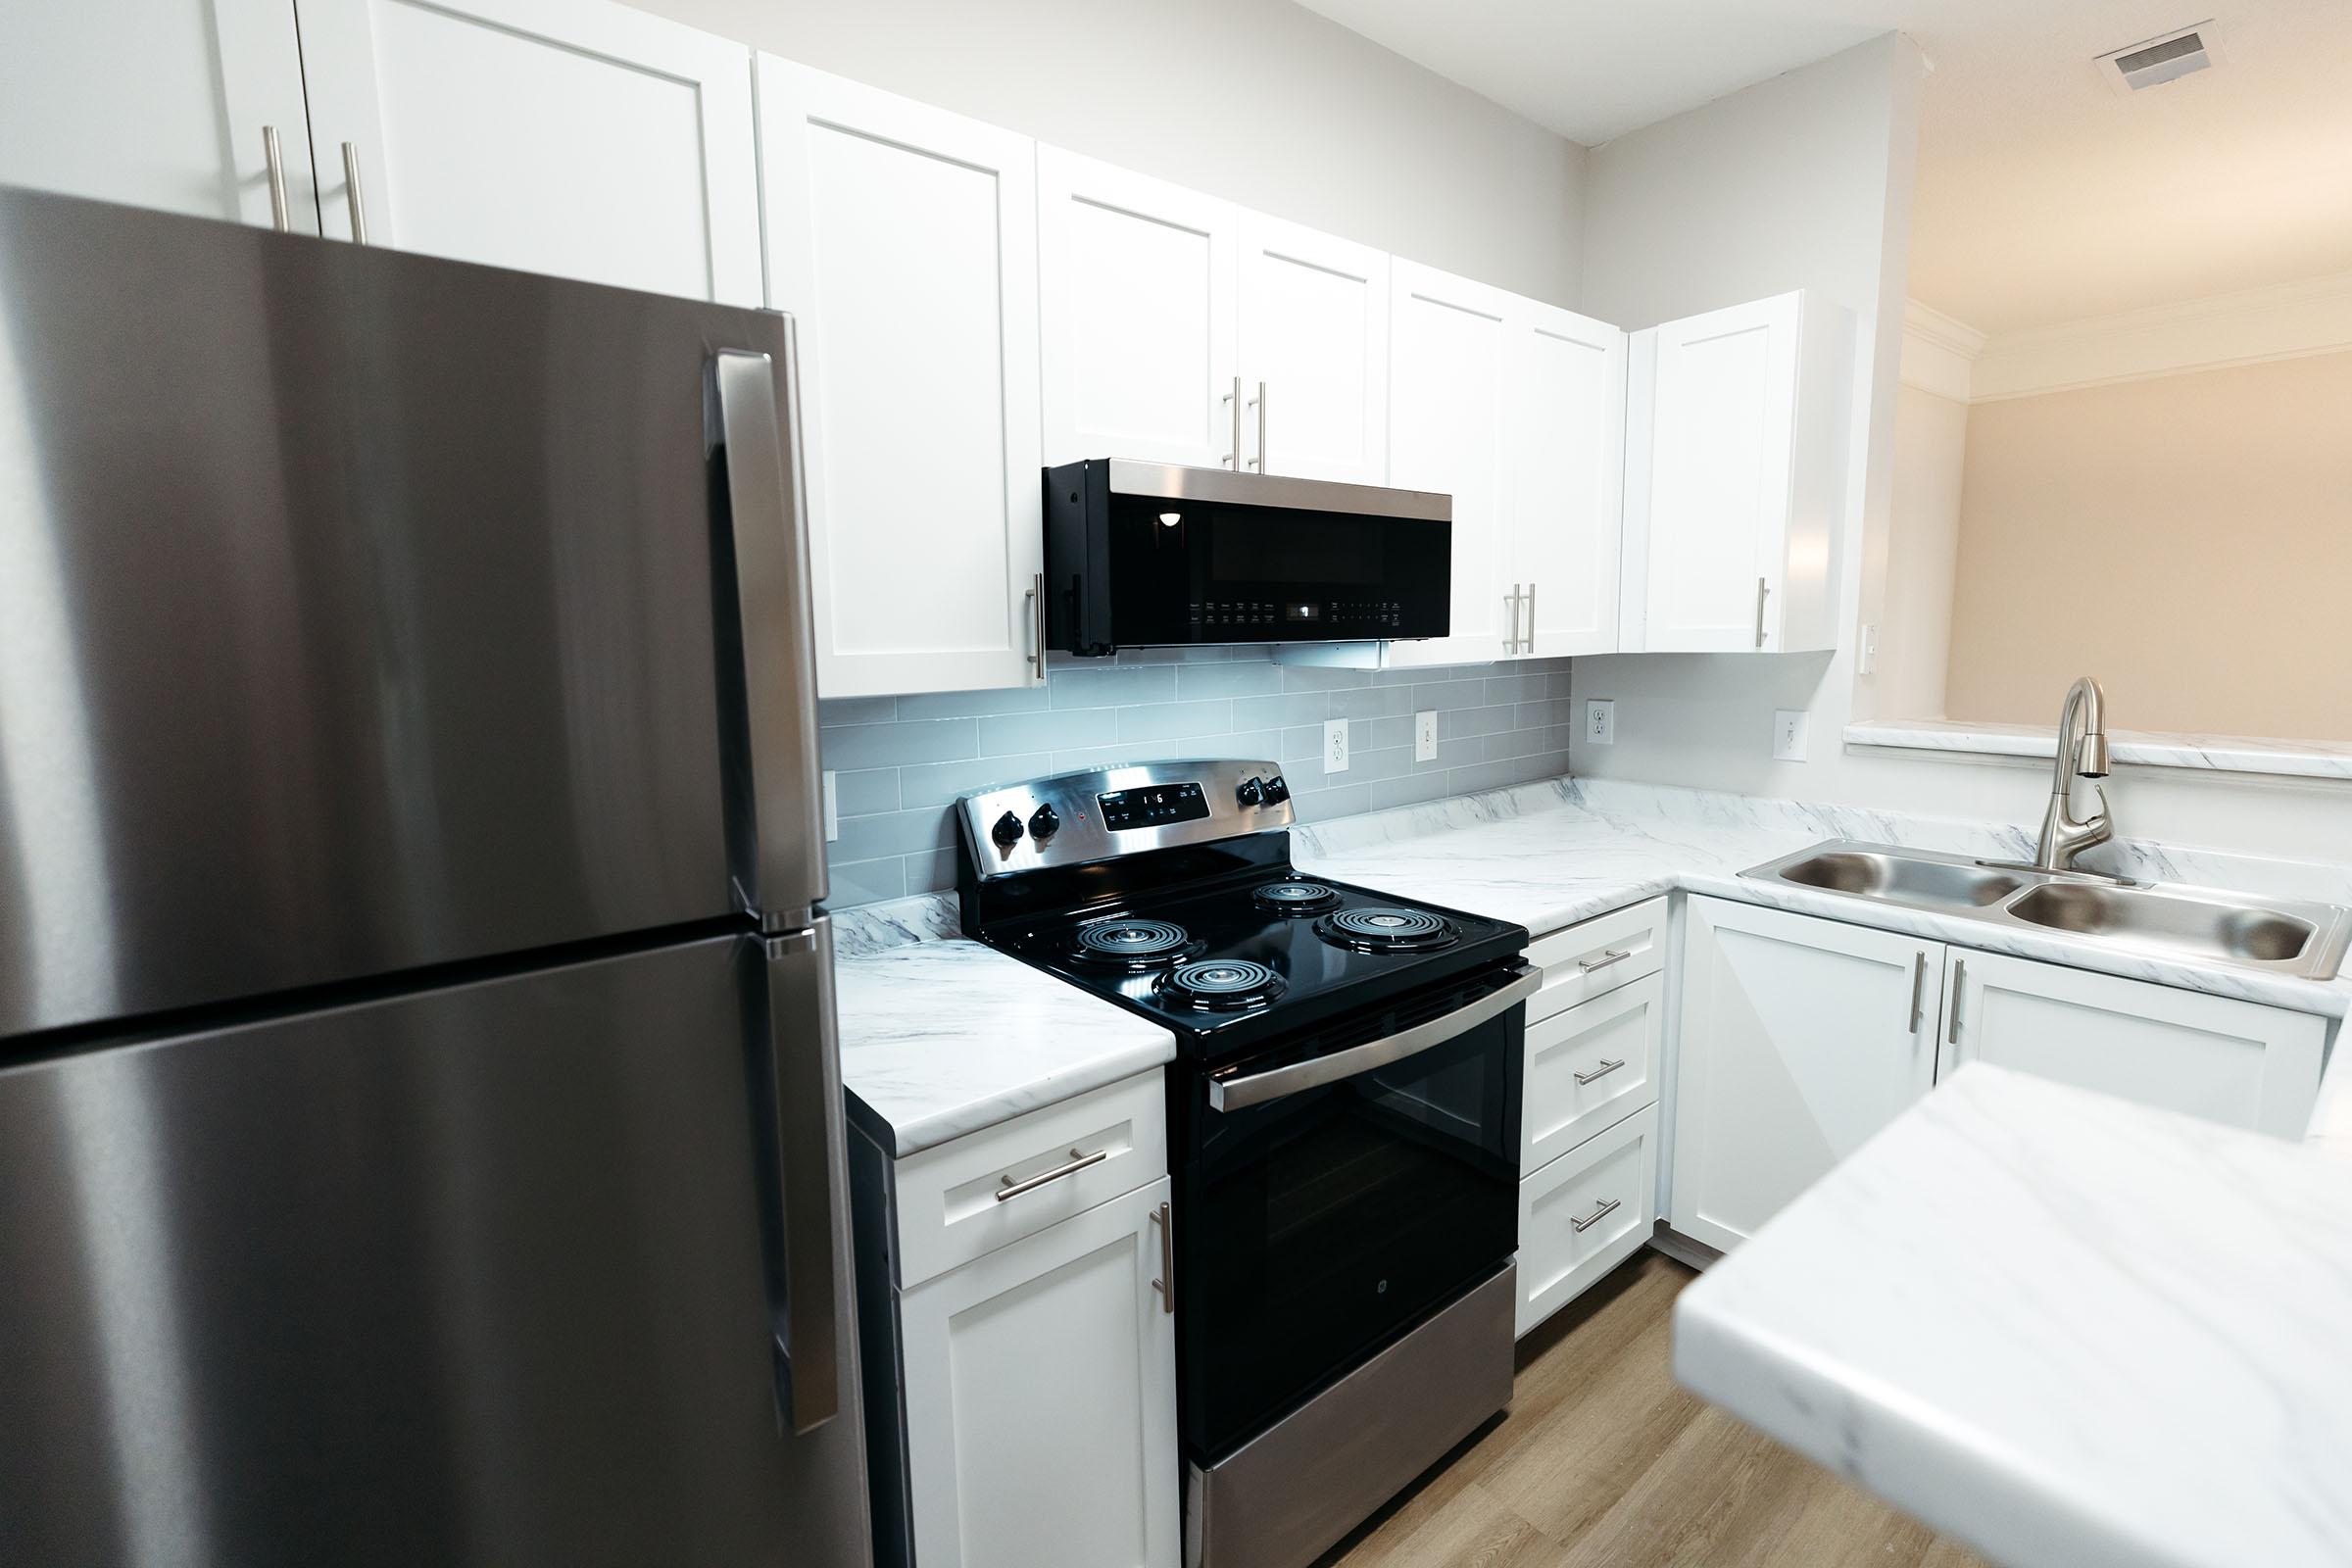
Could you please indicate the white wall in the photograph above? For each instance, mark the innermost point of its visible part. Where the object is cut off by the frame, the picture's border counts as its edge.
(1805, 181)
(1260, 102)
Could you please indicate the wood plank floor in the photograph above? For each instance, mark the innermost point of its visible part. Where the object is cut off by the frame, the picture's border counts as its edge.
(1602, 1462)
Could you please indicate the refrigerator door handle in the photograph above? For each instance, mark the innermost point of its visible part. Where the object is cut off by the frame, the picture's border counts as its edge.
(780, 873)
(803, 1065)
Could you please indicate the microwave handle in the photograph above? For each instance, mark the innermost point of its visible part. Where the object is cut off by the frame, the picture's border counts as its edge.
(1257, 1088)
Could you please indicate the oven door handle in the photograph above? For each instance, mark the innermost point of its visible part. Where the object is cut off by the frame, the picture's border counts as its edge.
(1257, 1088)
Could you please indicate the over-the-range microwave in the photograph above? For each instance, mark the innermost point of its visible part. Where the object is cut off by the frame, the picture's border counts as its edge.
(1142, 555)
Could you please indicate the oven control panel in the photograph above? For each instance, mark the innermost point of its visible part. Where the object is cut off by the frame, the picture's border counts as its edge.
(1073, 818)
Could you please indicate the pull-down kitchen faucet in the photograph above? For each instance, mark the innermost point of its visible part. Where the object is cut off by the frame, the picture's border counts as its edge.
(2082, 754)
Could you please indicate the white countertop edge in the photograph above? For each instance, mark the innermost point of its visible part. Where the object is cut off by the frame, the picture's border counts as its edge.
(2226, 754)
(914, 1134)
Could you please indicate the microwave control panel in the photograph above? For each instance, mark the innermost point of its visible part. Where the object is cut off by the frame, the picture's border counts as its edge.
(1370, 616)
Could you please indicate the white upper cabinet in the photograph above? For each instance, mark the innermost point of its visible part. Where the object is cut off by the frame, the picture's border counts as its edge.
(1452, 343)
(1314, 353)
(903, 239)
(572, 137)
(2228, 1061)
(157, 103)
(1736, 445)
(1137, 284)
(1800, 1038)
(1567, 434)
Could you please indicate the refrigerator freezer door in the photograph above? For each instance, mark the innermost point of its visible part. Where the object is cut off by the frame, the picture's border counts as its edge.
(472, 1276)
(362, 610)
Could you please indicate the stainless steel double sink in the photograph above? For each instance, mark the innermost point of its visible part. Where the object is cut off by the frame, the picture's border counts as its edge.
(2280, 936)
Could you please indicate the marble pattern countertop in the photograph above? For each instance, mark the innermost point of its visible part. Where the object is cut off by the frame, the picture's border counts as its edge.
(940, 1038)
(2071, 1331)
(2227, 753)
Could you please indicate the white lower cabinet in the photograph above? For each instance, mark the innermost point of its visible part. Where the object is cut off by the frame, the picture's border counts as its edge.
(1584, 1213)
(1041, 1400)
(1800, 1038)
(2232, 1061)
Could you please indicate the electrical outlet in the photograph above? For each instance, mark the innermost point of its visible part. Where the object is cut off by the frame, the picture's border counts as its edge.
(1866, 657)
(1334, 745)
(1600, 721)
(1425, 736)
(832, 809)
(1789, 730)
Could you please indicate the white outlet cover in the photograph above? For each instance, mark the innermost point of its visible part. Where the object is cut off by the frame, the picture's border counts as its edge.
(1334, 745)
(1790, 728)
(1866, 657)
(1600, 721)
(1425, 735)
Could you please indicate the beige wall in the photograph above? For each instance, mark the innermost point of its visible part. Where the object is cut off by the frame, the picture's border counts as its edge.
(2186, 539)
(1915, 625)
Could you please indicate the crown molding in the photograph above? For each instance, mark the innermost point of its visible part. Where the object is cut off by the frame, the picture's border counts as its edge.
(2252, 326)
(1939, 352)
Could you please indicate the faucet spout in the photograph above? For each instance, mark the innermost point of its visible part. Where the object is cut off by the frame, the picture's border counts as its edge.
(2083, 752)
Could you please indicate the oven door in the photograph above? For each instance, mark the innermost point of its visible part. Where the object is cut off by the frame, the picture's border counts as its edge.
(1334, 1192)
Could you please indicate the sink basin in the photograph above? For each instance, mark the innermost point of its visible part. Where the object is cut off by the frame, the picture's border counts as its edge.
(2197, 926)
(2282, 936)
(1903, 878)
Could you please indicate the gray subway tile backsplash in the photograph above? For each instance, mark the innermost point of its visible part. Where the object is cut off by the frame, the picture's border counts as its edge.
(901, 761)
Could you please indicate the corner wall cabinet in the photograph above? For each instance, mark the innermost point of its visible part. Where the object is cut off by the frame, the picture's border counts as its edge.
(902, 239)
(1735, 469)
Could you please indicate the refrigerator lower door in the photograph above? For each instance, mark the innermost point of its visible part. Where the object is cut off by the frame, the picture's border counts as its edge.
(480, 1275)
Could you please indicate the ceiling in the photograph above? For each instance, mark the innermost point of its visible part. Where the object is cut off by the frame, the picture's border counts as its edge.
(2043, 196)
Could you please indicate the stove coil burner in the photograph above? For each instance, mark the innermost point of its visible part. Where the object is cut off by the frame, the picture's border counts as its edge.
(1294, 897)
(1222, 985)
(1132, 944)
(1387, 930)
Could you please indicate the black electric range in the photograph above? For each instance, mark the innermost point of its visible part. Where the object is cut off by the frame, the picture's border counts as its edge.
(1343, 1126)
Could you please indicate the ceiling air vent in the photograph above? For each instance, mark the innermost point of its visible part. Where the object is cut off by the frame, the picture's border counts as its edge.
(2159, 60)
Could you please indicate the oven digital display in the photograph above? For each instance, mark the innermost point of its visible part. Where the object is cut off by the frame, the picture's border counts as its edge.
(1155, 805)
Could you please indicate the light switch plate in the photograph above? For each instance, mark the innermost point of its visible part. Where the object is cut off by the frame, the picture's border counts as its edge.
(1866, 657)
(1600, 721)
(1425, 736)
(1790, 728)
(832, 808)
(1334, 745)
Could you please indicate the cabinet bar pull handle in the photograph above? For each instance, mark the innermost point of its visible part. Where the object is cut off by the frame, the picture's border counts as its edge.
(1951, 1036)
(1077, 1163)
(1919, 986)
(1605, 1069)
(1762, 588)
(1527, 642)
(1036, 606)
(1234, 398)
(1259, 403)
(1165, 1285)
(1510, 621)
(1607, 1208)
(351, 193)
(280, 219)
(1608, 955)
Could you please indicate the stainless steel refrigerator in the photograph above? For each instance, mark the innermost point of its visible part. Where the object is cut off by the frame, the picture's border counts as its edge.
(420, 1112)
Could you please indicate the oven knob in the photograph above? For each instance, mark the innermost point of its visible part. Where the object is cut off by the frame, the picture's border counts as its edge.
(1008, 831)
(1043, 822)
(1250, 792)
(1277, 791)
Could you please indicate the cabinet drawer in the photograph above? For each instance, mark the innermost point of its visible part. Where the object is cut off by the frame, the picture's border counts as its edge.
(1608, 1186)
(1596, 956)
(948, 1205)
(1586, 1067)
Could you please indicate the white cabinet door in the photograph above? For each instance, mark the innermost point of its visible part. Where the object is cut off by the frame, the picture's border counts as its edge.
(1800, 1039)
(1314, 353)
(573, 137)
(155, 103)
(1136, 280)
(1041, 1400)
(903, 239)
(1567, 413)
(1452, 343)
(2227, 1061)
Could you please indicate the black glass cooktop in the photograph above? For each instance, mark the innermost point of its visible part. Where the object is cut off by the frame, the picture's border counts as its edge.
(1231, 965)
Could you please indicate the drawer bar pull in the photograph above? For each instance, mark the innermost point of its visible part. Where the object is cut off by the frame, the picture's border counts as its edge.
(1607, 1208)
(1078, 1163)
(1605, 1069)
(1165, 1285)
(1608, 955)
